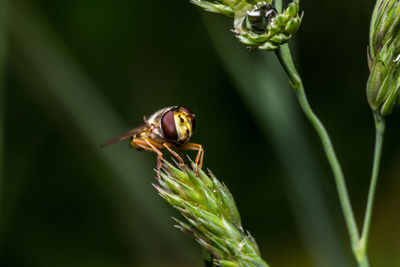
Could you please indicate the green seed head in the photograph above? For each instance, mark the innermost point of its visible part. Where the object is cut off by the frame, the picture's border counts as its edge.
(211, 215)
(229, 8)
(256, 23)
(383, 87)
(221, 7)
(262, 27)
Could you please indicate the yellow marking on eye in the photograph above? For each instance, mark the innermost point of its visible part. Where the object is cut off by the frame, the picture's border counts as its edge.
(183, 125)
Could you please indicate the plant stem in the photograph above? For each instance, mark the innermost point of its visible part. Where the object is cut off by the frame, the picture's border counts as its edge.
(286, 60)
(265, 96)
(380, 130)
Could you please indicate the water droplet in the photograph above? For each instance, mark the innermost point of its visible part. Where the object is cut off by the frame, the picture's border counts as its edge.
(240, 247)
(397, 59)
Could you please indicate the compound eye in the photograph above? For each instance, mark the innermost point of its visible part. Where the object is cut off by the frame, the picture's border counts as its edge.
(191, 115)
(193, 120)
(185, 110)
(168, 125)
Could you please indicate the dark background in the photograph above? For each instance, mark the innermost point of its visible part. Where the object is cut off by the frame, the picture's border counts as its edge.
(79, 72)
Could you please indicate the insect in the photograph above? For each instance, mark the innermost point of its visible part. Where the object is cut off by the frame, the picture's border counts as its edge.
(167, 128)
(259, 18)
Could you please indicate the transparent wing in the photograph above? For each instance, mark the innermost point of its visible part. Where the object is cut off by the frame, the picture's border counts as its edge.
(125, 135)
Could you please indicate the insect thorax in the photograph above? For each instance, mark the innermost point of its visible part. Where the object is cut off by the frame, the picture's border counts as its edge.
(154, 123)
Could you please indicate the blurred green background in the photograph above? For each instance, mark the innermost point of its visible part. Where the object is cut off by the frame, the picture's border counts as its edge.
(75, 73)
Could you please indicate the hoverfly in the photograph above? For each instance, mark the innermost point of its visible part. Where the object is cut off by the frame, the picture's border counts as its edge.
(166, 128)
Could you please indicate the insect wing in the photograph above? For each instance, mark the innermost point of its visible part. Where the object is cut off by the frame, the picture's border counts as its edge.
(125, 135)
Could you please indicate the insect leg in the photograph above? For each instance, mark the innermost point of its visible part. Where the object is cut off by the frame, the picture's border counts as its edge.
(143, 146)
(167, 146)
(159, 154)
(150, 147)
(200, 152)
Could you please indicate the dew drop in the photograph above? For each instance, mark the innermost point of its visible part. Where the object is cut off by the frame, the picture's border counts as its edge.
(241, 245)
(397, 59)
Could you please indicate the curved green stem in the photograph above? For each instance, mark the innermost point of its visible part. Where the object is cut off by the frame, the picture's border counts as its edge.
(380, 130)
(286, 60)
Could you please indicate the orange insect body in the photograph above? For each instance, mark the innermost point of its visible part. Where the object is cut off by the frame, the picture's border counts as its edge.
(166, 128)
